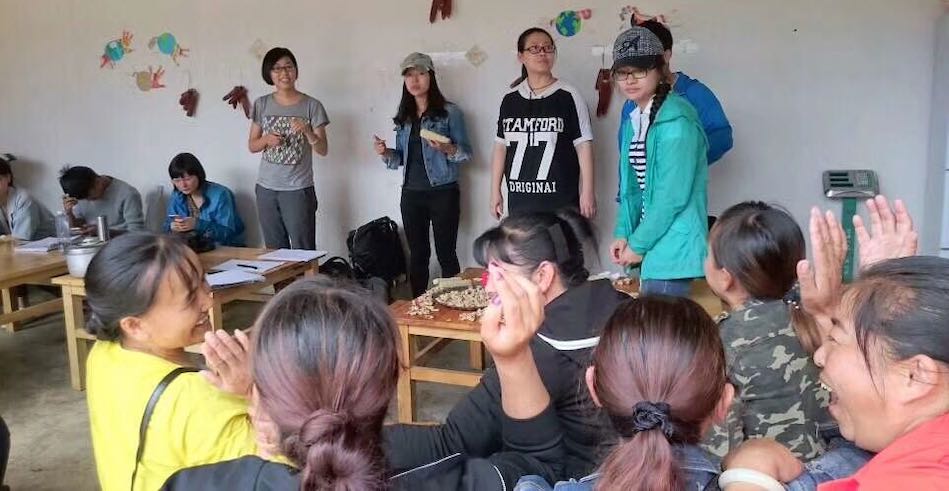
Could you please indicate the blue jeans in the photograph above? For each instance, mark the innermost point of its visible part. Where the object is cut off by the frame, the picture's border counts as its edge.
(672, 288)
(841, 461)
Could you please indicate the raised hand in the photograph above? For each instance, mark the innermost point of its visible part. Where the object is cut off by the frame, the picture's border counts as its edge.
(891, 233)
(820, 277)
(379, 145)
(228, 361)
(513, 316)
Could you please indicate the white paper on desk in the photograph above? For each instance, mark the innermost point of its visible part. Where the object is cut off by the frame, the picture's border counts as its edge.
(248, 266)
(41, 246)
(292, 255)
(228, 278)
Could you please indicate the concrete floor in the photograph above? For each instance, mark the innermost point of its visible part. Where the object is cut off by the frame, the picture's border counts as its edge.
(49, 424)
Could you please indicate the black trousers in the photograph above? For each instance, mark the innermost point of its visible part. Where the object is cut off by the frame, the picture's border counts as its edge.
(4, 448)
(439, 209)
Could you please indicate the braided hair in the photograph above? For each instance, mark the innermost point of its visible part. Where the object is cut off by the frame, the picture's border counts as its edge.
(662, 90)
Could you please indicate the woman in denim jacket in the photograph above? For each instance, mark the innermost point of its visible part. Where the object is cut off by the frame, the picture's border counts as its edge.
(431, 143)
(658, 374)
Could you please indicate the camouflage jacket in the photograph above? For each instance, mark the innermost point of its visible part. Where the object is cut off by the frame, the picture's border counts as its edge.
(777, 391)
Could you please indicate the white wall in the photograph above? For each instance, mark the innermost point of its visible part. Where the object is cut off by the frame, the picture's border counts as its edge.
(938, 181)
(808, 85)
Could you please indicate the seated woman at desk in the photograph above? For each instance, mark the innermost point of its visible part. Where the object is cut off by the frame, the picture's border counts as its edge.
(148, 300)
(20, 215)
(201, 207)
(547, 250)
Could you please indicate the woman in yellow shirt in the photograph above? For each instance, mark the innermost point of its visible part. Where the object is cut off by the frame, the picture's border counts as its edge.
(149, 300)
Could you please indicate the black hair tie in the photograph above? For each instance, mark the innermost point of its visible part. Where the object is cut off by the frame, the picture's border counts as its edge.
(649, 416)
(793, 296)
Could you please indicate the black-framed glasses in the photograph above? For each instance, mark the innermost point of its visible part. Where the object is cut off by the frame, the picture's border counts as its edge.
(284, 68)
(624, 75)
(536, 50)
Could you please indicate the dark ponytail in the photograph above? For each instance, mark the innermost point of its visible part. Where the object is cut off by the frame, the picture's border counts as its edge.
(326, 364)
(760, 246)
(659, 371)
(521, 46)
(530, 239)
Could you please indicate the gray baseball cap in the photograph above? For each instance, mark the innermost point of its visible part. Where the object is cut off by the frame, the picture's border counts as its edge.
(417, 60)
(637, 47)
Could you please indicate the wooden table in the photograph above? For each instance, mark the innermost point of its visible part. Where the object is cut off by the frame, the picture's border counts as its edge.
(18, 269)
(445, 326)
(74, 290)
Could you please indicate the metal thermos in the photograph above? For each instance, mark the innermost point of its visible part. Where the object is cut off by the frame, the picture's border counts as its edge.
(103, 224)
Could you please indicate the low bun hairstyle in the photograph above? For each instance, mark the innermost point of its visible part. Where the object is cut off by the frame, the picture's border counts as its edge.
(326, 364)
(123, 278)
(529, 239)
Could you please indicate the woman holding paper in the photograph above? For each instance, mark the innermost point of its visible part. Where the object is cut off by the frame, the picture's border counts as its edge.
(430, 193)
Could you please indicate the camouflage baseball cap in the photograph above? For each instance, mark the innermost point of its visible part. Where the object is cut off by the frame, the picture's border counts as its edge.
(636, 47)
(417, 60)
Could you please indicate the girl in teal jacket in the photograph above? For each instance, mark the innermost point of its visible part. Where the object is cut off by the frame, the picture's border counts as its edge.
(662, 219)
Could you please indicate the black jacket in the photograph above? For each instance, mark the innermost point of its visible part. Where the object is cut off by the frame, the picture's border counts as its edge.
(528, 443)
(562, 350)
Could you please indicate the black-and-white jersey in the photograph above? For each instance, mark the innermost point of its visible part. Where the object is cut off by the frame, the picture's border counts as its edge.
(541, 131)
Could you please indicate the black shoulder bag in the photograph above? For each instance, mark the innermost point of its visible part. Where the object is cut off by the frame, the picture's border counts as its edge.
(149, 408)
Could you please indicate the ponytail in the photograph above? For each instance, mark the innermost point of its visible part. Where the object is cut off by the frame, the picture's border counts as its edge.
(804, 324)
(645, 462)
(517, 81)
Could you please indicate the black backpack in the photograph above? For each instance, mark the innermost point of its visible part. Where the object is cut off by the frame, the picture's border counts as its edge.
(375, 250)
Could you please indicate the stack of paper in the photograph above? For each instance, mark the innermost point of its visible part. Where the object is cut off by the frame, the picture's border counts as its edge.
(292, 255)
(229, 278)
(39, 246)
(248, 266)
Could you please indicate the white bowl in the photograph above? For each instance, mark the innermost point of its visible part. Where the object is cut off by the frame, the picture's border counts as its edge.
(78, 259)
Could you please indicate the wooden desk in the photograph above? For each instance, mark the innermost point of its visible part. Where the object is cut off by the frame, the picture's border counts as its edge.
(446, 327)
(74, 290)
(17, 269)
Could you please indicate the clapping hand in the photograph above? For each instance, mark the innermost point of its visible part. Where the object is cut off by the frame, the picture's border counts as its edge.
(891, 233)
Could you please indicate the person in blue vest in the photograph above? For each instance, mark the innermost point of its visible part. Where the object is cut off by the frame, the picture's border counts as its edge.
(717, 128)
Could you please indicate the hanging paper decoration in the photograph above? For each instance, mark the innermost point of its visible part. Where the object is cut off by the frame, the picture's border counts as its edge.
(238, 95)
(116, 49)
(148, 80)
(258, 49)
(603, 87)
(635, 16)
(476, 56)
(168, 45)
(443, 6)
(189, 102)
(569, 22)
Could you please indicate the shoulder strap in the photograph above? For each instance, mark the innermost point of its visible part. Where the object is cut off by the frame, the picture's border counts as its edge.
(149, 408)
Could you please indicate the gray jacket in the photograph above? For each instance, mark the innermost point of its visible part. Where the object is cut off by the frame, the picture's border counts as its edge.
(25, 218)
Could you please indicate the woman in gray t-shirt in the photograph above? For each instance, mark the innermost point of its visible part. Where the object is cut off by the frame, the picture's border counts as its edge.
(288, 126)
